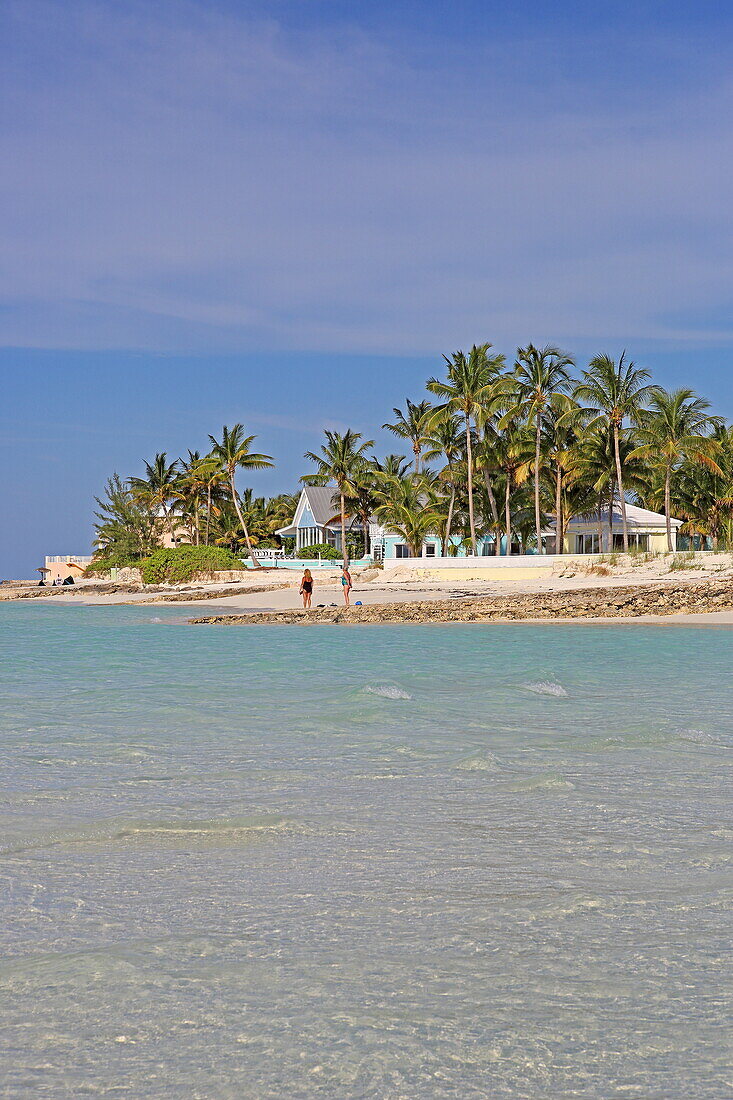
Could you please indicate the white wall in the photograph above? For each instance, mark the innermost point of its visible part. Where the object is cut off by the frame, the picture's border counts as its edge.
(510, 561)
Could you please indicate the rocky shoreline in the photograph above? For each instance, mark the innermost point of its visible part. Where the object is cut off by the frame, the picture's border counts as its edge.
(632, 601)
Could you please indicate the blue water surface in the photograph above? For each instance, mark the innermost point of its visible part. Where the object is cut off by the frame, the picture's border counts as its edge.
(402, 861)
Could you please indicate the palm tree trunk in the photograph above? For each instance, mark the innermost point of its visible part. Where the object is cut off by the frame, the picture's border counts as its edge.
(416, 452)
(619, 479)
(469, 465)
(240, 517)
(365, 528)
(537, 519)
(449, 521)
(558, 510)
(612, 491)
(494, 509)
(208, 513)
(343, 530)
(667, 506)
(508, 512)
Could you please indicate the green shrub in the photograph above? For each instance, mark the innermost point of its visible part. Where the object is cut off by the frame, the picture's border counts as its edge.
(110, 559)
(310, 553)
(185, 563)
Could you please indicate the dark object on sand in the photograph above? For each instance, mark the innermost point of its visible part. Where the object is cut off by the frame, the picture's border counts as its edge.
(69, 580)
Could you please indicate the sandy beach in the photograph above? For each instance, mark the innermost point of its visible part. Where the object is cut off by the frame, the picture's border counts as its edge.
(701, 595)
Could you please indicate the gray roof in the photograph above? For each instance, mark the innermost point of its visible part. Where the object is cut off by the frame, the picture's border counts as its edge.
(321, 503)
(635, 517)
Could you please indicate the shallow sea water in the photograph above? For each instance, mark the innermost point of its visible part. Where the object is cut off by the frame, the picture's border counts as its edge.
(398, 862)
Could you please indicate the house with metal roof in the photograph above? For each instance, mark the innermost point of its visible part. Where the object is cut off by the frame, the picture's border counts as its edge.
(317, 519)
(602, 532)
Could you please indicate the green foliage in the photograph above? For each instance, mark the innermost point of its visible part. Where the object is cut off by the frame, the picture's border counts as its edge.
(127, 528)
(113, 558)
(185, 563)
(310, 553)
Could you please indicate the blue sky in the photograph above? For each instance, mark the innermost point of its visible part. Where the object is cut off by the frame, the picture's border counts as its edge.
(284, 213)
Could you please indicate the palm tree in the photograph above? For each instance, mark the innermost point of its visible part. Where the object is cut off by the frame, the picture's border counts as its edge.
(340, 460)
(615, 392)
(468, 379)
(566, 428)
(704, 498)
(674, 429)
(489, 427)
(405, 507)
(278, 513)
(390, 466)
(542, 378)
(212, 474)
(159, 487)
(227, 528)
(512, 453)
(589, 463)
(191, 487)
(413, 425)
(445, 438)
(360, 500)
(233, 452)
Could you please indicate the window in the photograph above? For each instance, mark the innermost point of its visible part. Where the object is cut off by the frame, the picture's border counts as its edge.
(401, 550)
(587, 544)
(429, 549)
(636, 541)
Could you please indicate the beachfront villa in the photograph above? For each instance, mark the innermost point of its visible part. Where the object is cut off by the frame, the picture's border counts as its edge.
(61, 566)
(316, 520)
(602, 533)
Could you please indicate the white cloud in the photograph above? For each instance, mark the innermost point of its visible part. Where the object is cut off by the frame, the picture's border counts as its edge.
(179, 179)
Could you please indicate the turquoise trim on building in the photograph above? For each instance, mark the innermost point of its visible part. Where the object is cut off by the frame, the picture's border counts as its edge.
(394, 544)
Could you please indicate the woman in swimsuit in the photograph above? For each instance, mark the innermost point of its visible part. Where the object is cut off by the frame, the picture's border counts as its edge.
(346, 582)
(306, 588)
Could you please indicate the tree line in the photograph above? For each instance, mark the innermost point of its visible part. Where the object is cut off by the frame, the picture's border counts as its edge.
(499, 448)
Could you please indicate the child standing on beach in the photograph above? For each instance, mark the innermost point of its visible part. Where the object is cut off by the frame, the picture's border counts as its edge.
(346, 582)
(306, 588)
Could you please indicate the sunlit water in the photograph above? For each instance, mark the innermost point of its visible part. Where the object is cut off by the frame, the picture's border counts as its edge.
(397, 862)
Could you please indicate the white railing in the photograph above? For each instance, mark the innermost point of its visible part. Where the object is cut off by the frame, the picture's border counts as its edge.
(77, 559)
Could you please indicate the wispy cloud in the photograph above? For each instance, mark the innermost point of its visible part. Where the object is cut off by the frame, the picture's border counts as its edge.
(180, 178)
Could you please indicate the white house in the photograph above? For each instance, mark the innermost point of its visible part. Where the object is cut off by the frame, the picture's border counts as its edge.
(603, 533)
(317, 520)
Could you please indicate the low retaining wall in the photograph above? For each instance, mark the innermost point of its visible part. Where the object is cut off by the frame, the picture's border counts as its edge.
(488, 561)
(516, 567)
(306, 563)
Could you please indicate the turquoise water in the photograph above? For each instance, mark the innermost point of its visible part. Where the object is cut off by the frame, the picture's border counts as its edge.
(396, 862)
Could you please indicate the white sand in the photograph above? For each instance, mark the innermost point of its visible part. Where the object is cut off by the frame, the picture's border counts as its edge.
(396, 586)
